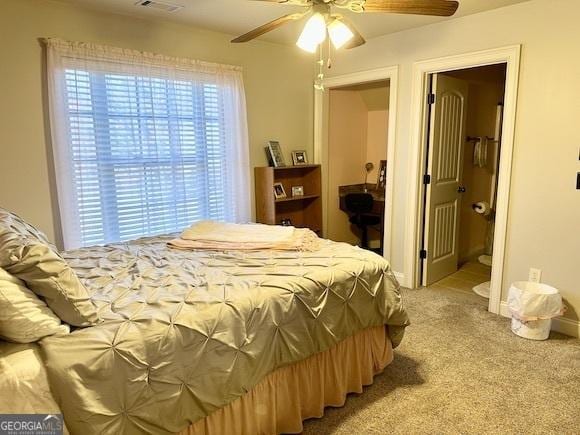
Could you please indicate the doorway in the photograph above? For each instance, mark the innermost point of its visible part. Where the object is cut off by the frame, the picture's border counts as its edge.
(357, 161)
(465, 119)
(321, 141)
(417, 162)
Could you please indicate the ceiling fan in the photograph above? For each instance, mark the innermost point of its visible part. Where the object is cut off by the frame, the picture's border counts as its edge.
(340, 30)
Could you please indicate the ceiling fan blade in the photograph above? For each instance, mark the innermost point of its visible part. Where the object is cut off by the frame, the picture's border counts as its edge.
(357, 39)
(268, 27)
(441, 8)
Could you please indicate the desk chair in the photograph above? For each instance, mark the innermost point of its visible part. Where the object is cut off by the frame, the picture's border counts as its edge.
(360, 206)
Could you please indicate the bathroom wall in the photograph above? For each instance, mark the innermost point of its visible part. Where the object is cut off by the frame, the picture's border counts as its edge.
(486, 89)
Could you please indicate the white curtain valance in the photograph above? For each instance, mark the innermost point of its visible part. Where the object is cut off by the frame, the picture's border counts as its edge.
(87, 51)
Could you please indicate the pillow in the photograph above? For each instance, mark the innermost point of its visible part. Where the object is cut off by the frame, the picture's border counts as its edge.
(19, 225)
(25, 254)
(23, 317)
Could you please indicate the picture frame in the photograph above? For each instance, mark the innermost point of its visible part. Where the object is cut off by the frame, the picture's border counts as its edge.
(297, 190)
(299, 157)
(382, 176)
(274, 153)
(279, 192)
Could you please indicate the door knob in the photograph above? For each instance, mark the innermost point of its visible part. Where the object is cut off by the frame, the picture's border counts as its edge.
(461, 189)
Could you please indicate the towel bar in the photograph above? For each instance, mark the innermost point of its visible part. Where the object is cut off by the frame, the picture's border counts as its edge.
(477, 139)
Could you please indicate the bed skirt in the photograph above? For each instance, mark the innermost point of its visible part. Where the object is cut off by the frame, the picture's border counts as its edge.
(291, 394)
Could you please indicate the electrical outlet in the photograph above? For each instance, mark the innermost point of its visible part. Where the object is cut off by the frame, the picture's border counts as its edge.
(535, 275)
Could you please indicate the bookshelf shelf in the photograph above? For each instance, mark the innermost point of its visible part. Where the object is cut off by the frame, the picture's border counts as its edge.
(303, 211)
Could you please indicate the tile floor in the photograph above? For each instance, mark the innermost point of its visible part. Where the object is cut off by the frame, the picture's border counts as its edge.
(469, 275)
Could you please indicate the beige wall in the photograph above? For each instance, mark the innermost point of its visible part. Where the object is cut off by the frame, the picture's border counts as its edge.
(377, 132)
(347, 138)
(376, 98)
(544, 211)
(278, 82)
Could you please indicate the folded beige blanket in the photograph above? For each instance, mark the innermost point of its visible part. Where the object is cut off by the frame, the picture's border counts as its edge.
(210, 235)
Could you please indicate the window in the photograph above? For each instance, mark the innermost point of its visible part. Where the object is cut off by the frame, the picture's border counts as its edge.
(148, 154)
(148, 150)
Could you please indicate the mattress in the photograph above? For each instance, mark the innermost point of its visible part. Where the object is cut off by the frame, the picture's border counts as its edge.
(187, 332)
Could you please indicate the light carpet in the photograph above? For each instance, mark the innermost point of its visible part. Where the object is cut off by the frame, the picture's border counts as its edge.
(460, 370)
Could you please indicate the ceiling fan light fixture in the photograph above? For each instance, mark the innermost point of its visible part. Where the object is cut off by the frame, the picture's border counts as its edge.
(339, 33)
(313, 34)
(308, 46)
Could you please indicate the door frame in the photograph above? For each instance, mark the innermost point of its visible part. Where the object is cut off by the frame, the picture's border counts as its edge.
(419, 123)
(321, 138)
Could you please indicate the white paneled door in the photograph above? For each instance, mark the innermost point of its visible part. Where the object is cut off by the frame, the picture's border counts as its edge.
(445, 164)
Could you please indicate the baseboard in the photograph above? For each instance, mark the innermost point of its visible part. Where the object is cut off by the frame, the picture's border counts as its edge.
(560, 324)
(401, 278)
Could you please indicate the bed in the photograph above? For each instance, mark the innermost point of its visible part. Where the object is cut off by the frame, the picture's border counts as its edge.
(200, 342)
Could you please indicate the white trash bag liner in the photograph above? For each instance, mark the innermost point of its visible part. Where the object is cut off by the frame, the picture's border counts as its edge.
(532, 306)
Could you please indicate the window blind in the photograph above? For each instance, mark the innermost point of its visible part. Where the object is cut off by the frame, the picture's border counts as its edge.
(149, 154)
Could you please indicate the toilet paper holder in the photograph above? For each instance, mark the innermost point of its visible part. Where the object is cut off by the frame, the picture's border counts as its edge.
(481, 207)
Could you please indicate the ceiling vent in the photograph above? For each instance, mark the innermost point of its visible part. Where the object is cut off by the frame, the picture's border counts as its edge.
(160, 6)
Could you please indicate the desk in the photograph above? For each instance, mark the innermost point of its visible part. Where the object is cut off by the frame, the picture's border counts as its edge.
(378, 205)
(378, 196)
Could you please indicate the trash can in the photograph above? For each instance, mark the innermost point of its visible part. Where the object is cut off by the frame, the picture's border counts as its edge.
(532, 306)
